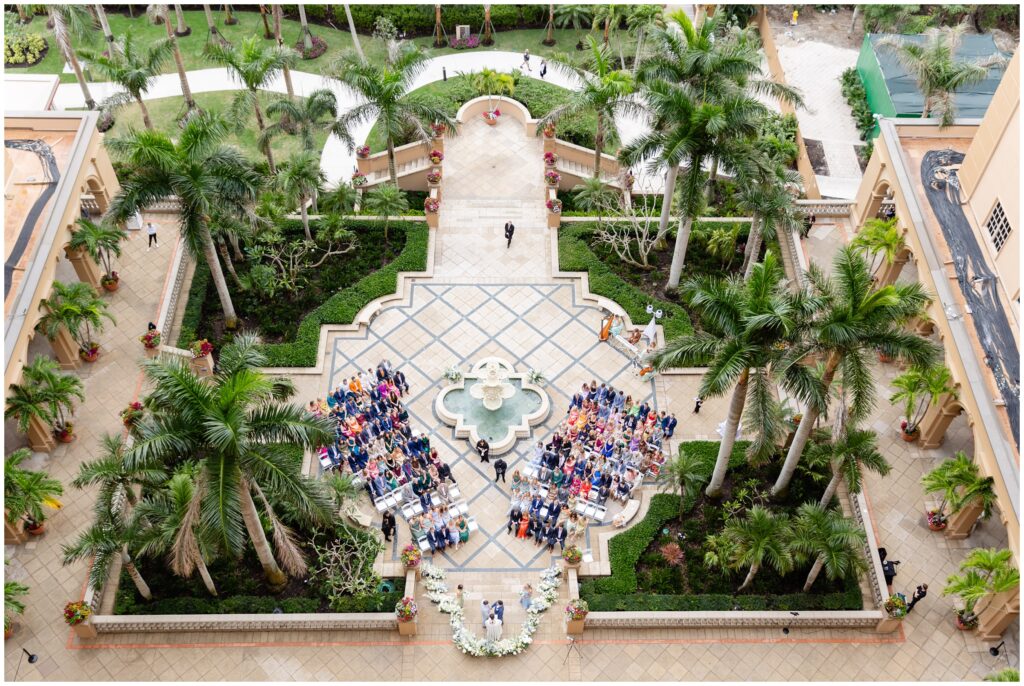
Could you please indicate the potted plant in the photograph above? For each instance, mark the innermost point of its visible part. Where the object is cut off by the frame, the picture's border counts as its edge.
(896, 606)
(438, 129)
(132, 414)
(102, 243)
(363, 151)
(358, 179)
(551, 177)
(968, 494)
(76, 612)
(27, 492)
(201, 348)
(431, 205)
(13, 591)
(549, 131)
(492, 117)
(629, 180)
(918, 389)
(549, 160)
(575, 614)
(411, 556)
(936, 520)
(984, 573)
(202, 357)
(554, 205)
(151, 342)
(572, 556)
(76, 309)
(434, 178)
(405, 612)
(44, 399)
(436, 157)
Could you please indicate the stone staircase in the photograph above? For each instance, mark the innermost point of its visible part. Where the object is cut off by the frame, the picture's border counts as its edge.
(406, 169)
(584, 171)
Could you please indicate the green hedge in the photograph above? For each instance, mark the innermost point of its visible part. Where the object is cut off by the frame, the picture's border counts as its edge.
(194, 306)
(418, 20)
(851, 599)
(574, 255)
(342, 307)
(127, 604)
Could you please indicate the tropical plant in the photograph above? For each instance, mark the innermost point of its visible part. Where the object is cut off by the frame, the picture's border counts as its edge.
(73, 22)
(307, 35)
(934, 66)
(385, 201)
(603, 90)
(384, 91)
(759, 537)
(341, 200)
(683, 475)
(13, 592)
(1008, 674)
(213, 35)
(160, 519)
(254, 66)
(835, 543)
(238, 426)
(300, 181)
(882, 239)
(286, 71)
(742, 324)
(27, 492)
(352, 30)
(847, 457)
(984, 573)
(304, 118)
(131, 68)
(101, 242)
(576, 16)
(768, 193)
(959, 481)
(855, 320)
(45, 394)
(77, 309)
(721, 243)
(201, 172)
(490, 83)
(918, 389)
(116, 478)
(163, 12)
(594, 195)
(108, 538)
(642, 20)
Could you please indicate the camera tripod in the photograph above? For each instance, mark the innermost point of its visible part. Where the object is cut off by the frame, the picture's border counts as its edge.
(573, 646)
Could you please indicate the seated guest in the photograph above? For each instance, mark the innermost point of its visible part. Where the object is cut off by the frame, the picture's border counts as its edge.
(557, 535)
(540, 534)
(513, 520)
(524, 527)
(535, 504)
(602, 494)
(554, 510)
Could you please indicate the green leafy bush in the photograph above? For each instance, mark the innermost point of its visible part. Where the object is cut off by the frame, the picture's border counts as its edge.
(418, 20)
(857, 98)
(23, 49)
(190, 320)
(298, 606)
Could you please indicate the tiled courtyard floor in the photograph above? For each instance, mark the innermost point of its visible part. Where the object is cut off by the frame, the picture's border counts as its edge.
(486, 299)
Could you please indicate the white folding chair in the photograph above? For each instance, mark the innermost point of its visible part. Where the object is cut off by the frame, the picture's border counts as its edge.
(424, 545)
(380, 504)
(473, 526)
(454, 490)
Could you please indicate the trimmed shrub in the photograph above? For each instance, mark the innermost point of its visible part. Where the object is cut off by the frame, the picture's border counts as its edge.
(194, 306)
(24, 50)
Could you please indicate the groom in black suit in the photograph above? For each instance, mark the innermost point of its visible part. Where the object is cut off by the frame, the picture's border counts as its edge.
(510, 229)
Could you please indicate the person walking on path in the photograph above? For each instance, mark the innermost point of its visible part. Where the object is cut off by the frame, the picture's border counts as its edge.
(151, 232)
(809, 220)
(388, 525)
(483, 449)
(526, 596)
(499, 470)
(543, 68)
(510, 230)
(697, 402)
(526, 60)
(919, 594)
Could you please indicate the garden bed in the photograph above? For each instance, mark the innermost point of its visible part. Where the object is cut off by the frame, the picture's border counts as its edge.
(658, 564)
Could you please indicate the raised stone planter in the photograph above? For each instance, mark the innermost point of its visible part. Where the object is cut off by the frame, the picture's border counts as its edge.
(407, 628)
(202, 366)
(574, 627)
(85, 629)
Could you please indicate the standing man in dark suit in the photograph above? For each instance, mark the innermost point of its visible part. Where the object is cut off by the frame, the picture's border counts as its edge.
(510, 230)
(499, 470)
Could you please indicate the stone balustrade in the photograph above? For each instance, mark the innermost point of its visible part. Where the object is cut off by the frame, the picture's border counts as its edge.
(826, 208)
(337, 621)
(739, 618)
(411, 165)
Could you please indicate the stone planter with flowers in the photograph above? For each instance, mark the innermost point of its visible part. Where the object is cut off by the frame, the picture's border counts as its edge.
(405, 613)
(202, 358)
(363, 152)
(572, 556)
(492, 117)
(434, 178)
(550, 159)
(151, 343)
(551, 178)
(359, 179)
(77, 615)
(436, 157)
(132, 414)
(575, 615)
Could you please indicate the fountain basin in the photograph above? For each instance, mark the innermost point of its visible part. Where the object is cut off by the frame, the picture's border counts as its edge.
(528, 406)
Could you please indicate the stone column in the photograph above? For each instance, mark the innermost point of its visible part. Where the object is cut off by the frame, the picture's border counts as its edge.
(14, 534)
(998, 614)
(437, 144)
(40, 436)
(937, 419)
(549, 144)
(960, 524)
(890, 272)
(85, 267)
(554, 218)
(888, 625)
(65, 349)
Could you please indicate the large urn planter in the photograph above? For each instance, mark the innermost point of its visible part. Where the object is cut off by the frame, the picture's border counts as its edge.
(202, 358)
(33, 528)
(576, 616)
(551, 178)
(111, 282)
(151, 342)
(434, 178)
(550, 159)
(405, 614)
(78, 616)
(572, 557)
(65, 434)
(363, 152)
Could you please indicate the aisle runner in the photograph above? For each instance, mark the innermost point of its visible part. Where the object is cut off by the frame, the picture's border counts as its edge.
(471, 644)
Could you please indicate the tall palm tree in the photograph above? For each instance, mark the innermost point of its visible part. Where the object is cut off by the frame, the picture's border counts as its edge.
(385, 201)
(605, 91)
(107, 539)
(198, 170)
(641, 21)
(834, 542)
(352, 30)
(286, 70)
(132, 69)
(163, 12)
(384, 90)
(576, 16)
(72, 21)
(237, 427)
(919, 388)
(743, 323)
(77, 309)
(610, 17)
(316, 113)
(938, 73)
(857, 319)
(307, 37)
(300, 181)
(101, 16)
(253, 65)
(101, 242)
(27, 491)
(685, 474)
(760, 536)
(549, 37)
(767, 194)
(984, 573)
(117, 478)
(882, 239)
(45, 395)
(181, 29)
(161, 520)
(847, 457)
(213, 35)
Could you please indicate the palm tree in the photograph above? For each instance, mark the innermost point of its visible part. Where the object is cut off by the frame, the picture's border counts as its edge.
(286, 71)
(254, 66)
(985, 572)
(385, 201)
(77, 309)
(919, 388)
(760, 536)
(549, 37)
(13, 591)
(605, 91)
(834, 542)
(352, 30)
(594, 195)
(163, 12)
(610, 17)
(384, 91)
(116, 478)
(301, 181)
(101, 16)
(938, 73)
(684, 475)
(237, 426)
(161, 519)
(576, 16)
(959, 481)
(489, 82)
(767, 194)
(182, 28)
(743, 323)
(213, 35)
(72, 21)
(107, 539)
(45, 395)
(26, 492)
(882, 239)
(307, 37)
(341, 200)
(848, 457)
(101, 242)
(201, 172)
(856, 320)
(131, 69)
(643, 19)
(305, 118)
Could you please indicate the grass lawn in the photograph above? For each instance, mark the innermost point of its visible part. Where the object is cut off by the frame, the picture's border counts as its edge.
(521, 39)
(165, 112)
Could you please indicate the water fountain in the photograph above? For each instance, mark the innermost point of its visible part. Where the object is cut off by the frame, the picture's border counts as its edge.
(494, 402)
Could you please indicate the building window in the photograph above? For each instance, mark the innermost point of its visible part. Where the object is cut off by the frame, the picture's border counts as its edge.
(998, 227)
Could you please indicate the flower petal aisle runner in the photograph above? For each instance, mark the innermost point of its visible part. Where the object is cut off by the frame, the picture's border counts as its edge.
(471, 644)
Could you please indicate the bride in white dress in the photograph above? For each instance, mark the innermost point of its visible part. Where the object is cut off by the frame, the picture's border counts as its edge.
(493, 625)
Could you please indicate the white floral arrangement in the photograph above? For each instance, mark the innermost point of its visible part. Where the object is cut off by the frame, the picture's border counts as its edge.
(453, 374)
(535, 377)
(430, 571)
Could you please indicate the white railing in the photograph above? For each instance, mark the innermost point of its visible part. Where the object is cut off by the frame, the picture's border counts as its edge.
(826, 208)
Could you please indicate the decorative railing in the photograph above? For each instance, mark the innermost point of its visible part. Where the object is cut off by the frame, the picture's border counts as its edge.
(826, 208)
(875, 576)
(169, 304)
(334, 621)
(838, 619)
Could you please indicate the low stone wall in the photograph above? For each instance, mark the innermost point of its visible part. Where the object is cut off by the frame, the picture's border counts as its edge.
(358, 621)
(660, 620)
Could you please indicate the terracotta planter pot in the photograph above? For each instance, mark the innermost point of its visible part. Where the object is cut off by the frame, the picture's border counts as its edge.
(89, 357)
(65, 437)
(963, 627)
(38, 530)
(407, 628)
(574, 627)
(490, 122)
(111, 286)
(933, 525)
(911, 437)
(8, 633)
